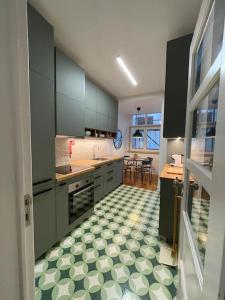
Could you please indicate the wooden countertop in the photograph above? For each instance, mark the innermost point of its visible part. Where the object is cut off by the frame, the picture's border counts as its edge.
(95, 163)
(85, 166)
(170, 172)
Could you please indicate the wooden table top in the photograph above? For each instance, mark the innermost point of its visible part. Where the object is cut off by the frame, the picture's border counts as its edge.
(171, 172)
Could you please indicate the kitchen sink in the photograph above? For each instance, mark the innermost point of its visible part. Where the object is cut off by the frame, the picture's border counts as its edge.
(100, 158)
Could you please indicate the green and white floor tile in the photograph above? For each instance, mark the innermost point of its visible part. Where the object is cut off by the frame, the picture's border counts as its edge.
(111, 255)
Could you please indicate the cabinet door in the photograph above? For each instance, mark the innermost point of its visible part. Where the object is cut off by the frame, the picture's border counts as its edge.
(42, 127)
(41, 44)
(70, 78)
(177, 63)
(44, 220)
(118, 172)
(62, 210)
(70, 116)
(113, 115)
(90, 119)
(90, 95)
(102, 102)
(98, 187)
(102, 122)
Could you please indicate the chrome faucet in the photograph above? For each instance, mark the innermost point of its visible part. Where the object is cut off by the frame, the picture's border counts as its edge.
(93, 151)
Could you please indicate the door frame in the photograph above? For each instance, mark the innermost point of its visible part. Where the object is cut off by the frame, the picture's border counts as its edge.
(211, 180)
(22, 134)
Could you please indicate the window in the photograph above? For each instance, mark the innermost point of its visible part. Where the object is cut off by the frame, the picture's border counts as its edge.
(149, 127)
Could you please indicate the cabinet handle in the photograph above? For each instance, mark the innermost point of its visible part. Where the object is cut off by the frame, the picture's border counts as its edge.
(97, 177)
(109, 179)
(42, 192)
(97, 186)
(42, 181)
(109, 172)
(62, 184)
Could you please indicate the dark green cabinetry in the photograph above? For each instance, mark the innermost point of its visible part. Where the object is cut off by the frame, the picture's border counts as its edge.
(177, 63)
(42, 128)
(44, 218)
(41, 57)
(62, 210)
(69, 116)
(70, 78)
(70, 93)
(108, 178)
(101, 110)
(42, 104)
(99, 183)
(118, 172)
(41, 43)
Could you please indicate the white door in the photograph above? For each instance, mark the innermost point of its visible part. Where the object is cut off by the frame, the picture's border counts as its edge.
(202, 227)
(20, 123)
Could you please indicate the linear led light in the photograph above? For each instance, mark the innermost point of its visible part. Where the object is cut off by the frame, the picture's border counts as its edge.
(126, 70)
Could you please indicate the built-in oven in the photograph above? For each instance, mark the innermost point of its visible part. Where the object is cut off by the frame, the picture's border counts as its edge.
(81, 198)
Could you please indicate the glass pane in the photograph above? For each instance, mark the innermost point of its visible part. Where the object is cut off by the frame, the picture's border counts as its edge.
(198, 211)
(137, 143)
(138, 119)
(204, 53)
(153, 139)
(211, 43)
(154, 119)
(204, 129)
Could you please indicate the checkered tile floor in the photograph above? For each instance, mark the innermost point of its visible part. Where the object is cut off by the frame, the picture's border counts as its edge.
(111, 255)
(199, 221)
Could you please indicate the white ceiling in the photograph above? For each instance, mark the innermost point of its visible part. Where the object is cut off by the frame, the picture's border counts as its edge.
(148, 104)
(94, 32)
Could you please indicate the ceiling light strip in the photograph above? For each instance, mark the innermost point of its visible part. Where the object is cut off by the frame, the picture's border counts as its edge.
(126, 70)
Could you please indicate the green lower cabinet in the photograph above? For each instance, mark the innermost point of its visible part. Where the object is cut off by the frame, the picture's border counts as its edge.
(98, 184)
(44, 210)
(62, 210)
(118, 172)
(108, 178)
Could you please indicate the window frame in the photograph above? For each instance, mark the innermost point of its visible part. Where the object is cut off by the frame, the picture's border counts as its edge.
(145, 128)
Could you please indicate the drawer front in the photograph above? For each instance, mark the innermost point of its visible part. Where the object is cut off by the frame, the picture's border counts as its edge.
(108, 184)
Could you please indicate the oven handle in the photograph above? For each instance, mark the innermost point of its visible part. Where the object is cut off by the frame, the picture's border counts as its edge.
(84, 190)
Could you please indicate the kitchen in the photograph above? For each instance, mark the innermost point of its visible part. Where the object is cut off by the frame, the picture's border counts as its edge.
(124, 193)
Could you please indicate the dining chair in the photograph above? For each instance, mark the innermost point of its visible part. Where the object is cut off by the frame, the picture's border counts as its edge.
(127, 167)
(145, 168)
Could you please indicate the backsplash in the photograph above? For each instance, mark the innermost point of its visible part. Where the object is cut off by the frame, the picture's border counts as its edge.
(83, 149)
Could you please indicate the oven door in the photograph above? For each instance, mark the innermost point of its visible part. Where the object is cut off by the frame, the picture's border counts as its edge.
(80, 201)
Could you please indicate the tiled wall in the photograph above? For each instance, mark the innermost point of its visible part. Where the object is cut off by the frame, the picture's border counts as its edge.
(83, 149)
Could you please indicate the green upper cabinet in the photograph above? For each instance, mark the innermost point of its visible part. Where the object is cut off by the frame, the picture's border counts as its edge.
(70, 96)
(69, 116)
(101, 109)
(102, 102)
(42, 100)
(90, 95)
(70, 78)
(41, 44)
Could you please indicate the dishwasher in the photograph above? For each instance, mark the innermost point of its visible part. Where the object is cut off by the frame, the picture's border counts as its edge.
(81, 198)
